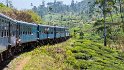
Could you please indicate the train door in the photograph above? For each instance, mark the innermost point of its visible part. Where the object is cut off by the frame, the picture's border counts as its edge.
(13, 32)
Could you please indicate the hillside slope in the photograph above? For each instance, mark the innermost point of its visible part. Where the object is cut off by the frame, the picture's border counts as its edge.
(23, 15)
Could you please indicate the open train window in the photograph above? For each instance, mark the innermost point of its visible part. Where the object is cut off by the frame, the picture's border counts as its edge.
(2, 20)
(2, 34)
(30, 32)
(5, 33)
(23, 32)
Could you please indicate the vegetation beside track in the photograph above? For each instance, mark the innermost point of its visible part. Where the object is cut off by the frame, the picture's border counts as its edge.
(73, 54)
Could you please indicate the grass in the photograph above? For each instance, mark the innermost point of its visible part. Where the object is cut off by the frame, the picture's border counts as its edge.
(74, 54)
(83, 54)
(49, 58)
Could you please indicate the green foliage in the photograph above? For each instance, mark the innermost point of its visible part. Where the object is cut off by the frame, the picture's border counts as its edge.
(25, 15)
(90, 55)
(4, 8)
(34, 16)
(85, 54)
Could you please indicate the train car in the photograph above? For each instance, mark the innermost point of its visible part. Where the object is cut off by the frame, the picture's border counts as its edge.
(17, 35)
(26, 32)
(51, 32)
(46, 32)
(58, 32)
(7, 32)
(42, 32)
(62, 32)
(67, 32)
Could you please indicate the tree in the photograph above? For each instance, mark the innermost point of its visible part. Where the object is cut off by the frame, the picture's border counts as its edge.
(7, 3)
(121, 11)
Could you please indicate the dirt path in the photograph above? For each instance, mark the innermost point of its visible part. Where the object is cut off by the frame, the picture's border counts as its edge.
(22, 63)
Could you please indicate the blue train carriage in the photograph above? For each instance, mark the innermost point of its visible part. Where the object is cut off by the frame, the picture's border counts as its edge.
(63, 32)
(50, 32)
(26, 32)
(57, 32)
(42, 32)
(7, 32)
(67, 32)
(60, 32)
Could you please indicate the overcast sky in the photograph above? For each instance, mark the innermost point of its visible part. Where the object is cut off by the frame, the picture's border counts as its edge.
(26, 4)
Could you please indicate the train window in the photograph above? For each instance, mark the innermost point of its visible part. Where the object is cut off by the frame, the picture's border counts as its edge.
(2, 34)
(29, 32)
(17, 26)
(2, 20)
(51, 32)
(26, 32)
(7, 33)
(20, 33)
(23, 32)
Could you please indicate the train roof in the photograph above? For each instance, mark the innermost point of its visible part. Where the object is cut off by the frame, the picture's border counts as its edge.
(59, 27)
(51, 26)
(22, 22)
(2, 15)
(45, 25)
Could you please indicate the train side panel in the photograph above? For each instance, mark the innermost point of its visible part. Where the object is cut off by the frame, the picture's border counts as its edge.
(3, 38)
(7, 32)
(58, 32)
(63, 32)
(28, 32)
(42, 32)
(50, 32)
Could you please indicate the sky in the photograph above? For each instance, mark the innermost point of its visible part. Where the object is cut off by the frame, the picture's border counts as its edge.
(26, 4)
